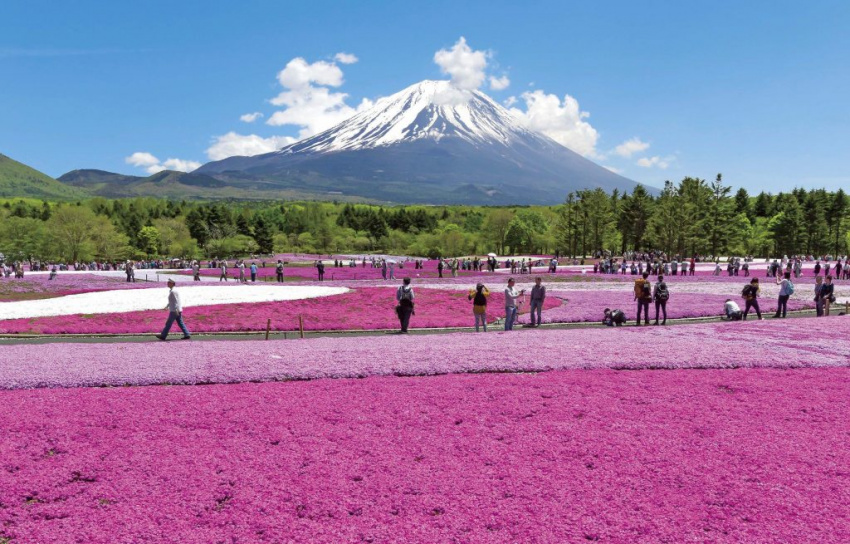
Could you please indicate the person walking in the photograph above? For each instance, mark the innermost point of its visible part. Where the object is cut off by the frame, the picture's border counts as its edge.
(643, 294)
(196, 271)
(253, 272)
(440, 267)
(175, 313)
(827, 294)
(538, 297)
(750, 294)
(278, 269)
(786, 289)
(479, 297)
(384, 268)
(241, 267)
(223, 275)
(660, 295)
(404, 296)
(320, 267)
(511, 296)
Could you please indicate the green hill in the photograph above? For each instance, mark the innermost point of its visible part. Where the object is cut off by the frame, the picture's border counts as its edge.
(18, 180)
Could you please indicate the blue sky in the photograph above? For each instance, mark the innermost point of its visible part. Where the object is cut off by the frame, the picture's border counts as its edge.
(755, 90)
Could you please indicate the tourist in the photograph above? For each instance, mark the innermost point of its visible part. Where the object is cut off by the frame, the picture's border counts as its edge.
(392, 270)
(661, 295)
(440, 267)
(827, 294)
(818, 296)
(241, 267)
(223, 272)
(196, 271)
(253, 272)
(511, 296)
(53, 272)
(320, 268)
(613, 318)
(384, 268)
(175, 313)
(404, 296)
(479, 298)
(279, 271)
(786, 289)
(750, 294)
(643, 294)
(733, 311)
(538, 297)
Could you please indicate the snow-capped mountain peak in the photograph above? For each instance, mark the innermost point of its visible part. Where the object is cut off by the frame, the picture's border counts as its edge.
(426, 110)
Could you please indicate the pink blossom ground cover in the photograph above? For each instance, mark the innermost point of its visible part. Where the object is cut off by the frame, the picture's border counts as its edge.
(39, 286)
(791, 343)
(752, 455)
(584, 306)
(361, 309)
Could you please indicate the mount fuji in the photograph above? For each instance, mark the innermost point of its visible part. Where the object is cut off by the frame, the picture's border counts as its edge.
(430, 143)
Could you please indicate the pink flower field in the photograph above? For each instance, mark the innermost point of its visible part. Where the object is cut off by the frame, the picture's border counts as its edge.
(751, 455)
(35, 286)
(363, 308)
(792, 343)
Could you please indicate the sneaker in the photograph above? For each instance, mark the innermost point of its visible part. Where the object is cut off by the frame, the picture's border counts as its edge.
(160, 337)
(186, 338)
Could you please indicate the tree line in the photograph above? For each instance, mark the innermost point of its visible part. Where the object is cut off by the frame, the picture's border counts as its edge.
(692, 217)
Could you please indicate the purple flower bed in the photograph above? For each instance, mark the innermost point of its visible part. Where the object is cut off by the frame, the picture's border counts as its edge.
(751, 456)
(362, 309)
(802, 342)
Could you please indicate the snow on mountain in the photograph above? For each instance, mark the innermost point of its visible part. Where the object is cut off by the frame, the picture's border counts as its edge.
(429, 143)
(429, 110)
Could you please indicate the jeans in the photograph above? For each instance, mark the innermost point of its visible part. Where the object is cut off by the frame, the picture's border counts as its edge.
(482, 319)
(752, 304)
(172, 317)
(536, 306)
(510, 317)
(404, 317)
(253, 276)
(819, 306)
(663, 305)
(645, 305)
(782, 308)
(279, 276)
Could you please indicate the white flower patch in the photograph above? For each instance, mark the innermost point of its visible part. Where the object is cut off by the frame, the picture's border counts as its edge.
(117, 301)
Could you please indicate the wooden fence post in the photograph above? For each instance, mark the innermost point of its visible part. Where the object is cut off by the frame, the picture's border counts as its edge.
(268, 328)
(301, 325)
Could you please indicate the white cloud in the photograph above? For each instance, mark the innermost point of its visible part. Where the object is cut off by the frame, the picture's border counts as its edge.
(308, 101)
(250, 117)
(649, 162)
(345, 58)
(233, 144)
(499, 83)
(141, 159)
(612, 169)
(564, 121)
(510, 101)
(630, 147)
(152, 165)
(465, 66)
(181, 165)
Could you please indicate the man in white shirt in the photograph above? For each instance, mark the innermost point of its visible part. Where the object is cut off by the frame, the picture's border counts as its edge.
(733, 311)
(175, 313)
(511, 295)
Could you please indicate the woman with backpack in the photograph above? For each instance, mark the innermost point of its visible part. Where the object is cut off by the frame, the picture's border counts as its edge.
(404, 296)
(750, 294)
(661, 295)
(479, 305)
(786, 289)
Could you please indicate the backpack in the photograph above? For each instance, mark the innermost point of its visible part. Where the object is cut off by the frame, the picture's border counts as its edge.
(747, 292)
(662, 293)
(646, 290)
(790, 288)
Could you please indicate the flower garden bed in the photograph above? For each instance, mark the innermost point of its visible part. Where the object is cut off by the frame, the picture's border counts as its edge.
(711, 456)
